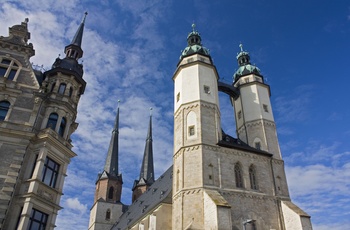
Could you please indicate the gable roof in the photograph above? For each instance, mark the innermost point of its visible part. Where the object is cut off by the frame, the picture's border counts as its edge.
(159, 192)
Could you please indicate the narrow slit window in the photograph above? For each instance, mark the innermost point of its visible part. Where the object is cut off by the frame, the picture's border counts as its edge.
(207, 89)
(258, 145)
(239, 114)
(191, 130)
(266, 108)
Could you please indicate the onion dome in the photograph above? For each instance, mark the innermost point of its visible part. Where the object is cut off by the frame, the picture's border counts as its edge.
(245, 67)
(194, 44)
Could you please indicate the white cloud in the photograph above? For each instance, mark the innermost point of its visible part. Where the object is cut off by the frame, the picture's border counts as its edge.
(126, 63)
(74, 204)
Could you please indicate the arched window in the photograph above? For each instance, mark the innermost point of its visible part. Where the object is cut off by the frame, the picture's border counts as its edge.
(238, 175)
(62, 88)
(51, 123)
(252, 177)
(108, 214)
(110, 192)
(4, 108)
(8, 68)
(62, 126)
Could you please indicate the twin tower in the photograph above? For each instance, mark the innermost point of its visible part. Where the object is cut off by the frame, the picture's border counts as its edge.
(216, 181)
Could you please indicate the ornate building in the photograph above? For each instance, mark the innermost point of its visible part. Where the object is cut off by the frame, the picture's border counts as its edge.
(37, 117)
(217, 181)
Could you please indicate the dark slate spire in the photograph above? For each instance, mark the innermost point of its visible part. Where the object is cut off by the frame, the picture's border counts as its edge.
(111, 166)
(69, 64)
(147, 169)
(79, 34)
(74, 50)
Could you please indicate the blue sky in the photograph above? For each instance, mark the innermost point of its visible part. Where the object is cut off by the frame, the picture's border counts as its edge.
(131, 49)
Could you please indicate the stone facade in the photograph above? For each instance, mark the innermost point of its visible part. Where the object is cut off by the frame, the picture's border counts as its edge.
(38, 112)
(219, 182)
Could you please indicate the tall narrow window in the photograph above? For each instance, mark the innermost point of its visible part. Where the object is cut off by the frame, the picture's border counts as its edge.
(266, 108)
(108, 214)
(177, 97)
(62, 127)
(50, 172)
(8, 68)
(177, 180)
(37, 220)
(34, 164)
(110, 192)
(191, 130)
(53, 86)
(62, 88)
(4, 108)
(70, 91)
(252, 178)
(238, 176)
(52, 122)
(239, 114)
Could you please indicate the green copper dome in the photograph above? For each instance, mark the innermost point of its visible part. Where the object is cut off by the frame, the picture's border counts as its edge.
(194, 44)
(245, 67)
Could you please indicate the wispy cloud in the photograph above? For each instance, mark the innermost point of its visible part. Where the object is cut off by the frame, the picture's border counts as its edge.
(294, 106)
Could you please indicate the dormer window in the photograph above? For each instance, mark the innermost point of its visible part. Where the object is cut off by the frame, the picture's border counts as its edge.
(8, 68)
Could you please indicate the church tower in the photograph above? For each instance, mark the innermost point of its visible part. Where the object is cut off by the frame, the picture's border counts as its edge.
(107, 207)
(146, 178)
(222, 182)
(197, 130)
(38, 112)
(254, 119)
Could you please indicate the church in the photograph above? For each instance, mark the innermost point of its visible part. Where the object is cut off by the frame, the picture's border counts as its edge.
(216, 181)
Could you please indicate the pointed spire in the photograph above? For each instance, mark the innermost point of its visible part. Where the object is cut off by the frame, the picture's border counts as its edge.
(73, 50)
(147, 168)
(111, 165)
(79, 34)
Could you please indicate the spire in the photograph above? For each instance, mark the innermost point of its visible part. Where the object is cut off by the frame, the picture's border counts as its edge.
(111, 165)
(74, 50)
(79, 34)
(147, 169)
